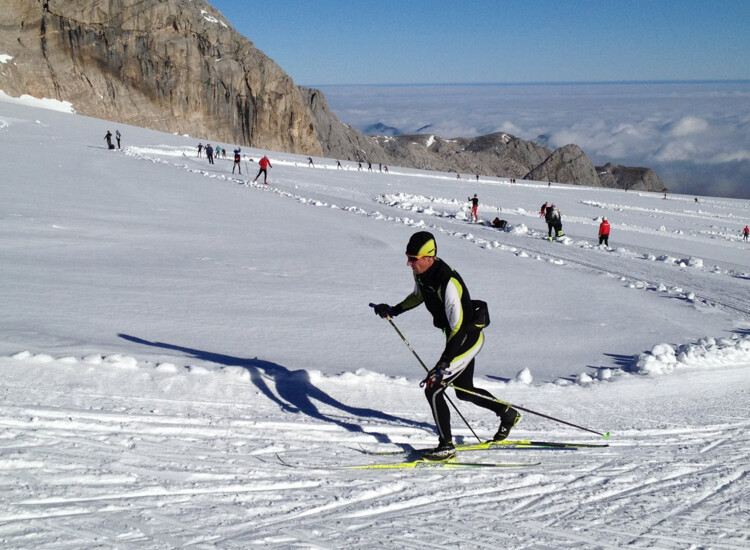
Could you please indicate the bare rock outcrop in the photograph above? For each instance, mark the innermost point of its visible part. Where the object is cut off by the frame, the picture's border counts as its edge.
(630, 177)
(567, 164)
(171, 65)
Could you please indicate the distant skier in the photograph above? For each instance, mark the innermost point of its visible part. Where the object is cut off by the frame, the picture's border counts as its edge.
(474, 207)
(209, 153)
(237, 159)
(200, 149)
(118, 136)
(310, 162)
(338, 165)
(604, 232)
(108, 138)
(554, 221)
(745, 232)
(264, 164)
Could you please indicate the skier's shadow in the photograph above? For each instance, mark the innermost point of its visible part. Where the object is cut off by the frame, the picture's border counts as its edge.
(295, 390)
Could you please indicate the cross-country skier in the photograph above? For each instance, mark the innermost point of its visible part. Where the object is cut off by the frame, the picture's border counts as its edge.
(264, 164)
(237, 160)
(474, 207)
(554, 221)
(604, 232)
(446, 297)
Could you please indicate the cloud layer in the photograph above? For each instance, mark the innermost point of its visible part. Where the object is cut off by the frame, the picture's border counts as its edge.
(696, 136)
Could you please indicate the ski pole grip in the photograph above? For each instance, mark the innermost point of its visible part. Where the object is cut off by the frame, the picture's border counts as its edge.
(375, 305)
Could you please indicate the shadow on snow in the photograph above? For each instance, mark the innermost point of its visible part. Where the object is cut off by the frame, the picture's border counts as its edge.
(295, 390)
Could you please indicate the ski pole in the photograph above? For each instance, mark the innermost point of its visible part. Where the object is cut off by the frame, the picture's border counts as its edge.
(408, 345)
(604, 435)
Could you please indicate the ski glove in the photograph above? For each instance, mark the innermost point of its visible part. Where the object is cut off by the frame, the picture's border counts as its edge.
(384, 310)
(435, 375)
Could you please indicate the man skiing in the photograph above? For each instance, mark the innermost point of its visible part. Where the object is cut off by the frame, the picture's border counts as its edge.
(118, 136)
(237, 159)
(604, 231)
(446, 297)
(745, 232)
(554, 221)
(474, 207)
(264, 164)
(108, 139)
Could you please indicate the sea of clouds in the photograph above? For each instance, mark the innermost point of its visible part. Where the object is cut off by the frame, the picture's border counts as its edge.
(696, 135)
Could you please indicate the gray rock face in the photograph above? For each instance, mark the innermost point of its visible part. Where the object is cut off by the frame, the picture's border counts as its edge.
(630, 177)
(568, 164)
(171, 65)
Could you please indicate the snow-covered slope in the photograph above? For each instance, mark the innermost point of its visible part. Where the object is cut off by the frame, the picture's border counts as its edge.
(171, 332)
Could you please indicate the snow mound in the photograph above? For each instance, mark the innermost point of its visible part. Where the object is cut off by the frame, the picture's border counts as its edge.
(707, 353)
(524, 377)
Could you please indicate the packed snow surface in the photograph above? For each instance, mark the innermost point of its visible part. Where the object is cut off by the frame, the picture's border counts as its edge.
(189, 359)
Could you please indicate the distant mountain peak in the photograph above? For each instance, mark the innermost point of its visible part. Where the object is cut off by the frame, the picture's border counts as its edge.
(380, 129)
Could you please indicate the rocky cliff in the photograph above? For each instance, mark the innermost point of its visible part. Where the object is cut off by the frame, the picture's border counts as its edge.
(171, 65)
(629, 177)
(178, 66)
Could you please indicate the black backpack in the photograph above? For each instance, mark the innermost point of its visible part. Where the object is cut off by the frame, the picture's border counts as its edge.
(481, 318)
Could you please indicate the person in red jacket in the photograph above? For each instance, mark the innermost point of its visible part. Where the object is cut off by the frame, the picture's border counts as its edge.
(604, 231)
(474, 207)
(265, 164)
(745, 232)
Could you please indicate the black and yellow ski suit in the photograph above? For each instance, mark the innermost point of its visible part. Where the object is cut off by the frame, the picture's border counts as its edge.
(446, 297)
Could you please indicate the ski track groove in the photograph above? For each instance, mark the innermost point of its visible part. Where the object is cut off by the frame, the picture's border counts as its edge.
(524, 494)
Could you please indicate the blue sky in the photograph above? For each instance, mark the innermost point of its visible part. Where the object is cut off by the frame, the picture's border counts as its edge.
(419, 42)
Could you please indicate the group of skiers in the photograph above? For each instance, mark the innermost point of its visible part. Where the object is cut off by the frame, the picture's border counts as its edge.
(108, 139)
(553, 217)
(264, 163)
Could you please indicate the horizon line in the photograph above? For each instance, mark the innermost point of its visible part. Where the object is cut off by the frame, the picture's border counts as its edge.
(539, 83)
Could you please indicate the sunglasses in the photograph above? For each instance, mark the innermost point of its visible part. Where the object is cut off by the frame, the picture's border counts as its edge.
(413, 259)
